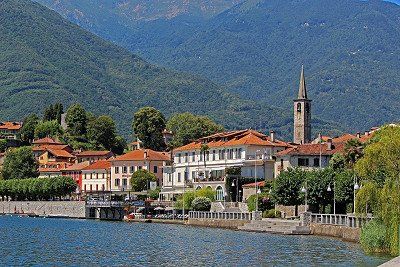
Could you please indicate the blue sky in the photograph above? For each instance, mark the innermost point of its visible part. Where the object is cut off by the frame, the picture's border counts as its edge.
(394, 1)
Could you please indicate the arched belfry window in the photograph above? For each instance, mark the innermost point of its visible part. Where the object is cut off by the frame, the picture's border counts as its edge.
(307, 107)
(298, 107)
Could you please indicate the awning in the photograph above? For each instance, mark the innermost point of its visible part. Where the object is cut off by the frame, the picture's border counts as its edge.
(159, 208)
(169, 208)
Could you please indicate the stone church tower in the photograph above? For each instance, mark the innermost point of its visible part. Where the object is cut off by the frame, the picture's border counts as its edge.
(302, 114)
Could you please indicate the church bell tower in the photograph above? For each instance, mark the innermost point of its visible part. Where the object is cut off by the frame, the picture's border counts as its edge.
(302, 114)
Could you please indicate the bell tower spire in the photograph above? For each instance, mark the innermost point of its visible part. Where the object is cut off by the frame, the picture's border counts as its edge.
(302, 113)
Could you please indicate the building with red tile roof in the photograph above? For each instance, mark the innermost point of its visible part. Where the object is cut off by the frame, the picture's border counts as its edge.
(96, 178)
(122, 167)
(75, 171)
(10, 130)
(93, 156)
(247, 149)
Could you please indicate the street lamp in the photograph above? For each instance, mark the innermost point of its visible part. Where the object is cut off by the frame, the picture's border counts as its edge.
(255, 177)
(334, 199)
(356, 187)
(304, 190)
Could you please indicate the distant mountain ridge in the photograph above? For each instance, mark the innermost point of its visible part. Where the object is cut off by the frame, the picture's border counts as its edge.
(350, 49)
(46, 59)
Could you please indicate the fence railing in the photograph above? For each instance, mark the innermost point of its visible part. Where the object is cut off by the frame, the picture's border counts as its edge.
(246, 216)
(349, 220)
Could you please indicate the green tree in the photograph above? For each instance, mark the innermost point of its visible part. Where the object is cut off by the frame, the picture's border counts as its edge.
(264, 202)
(317, 185)
(337, 162)
(119, 145)
(353, 150)
(148, 125)
(102, 132)
(20, 163)
(344, 186)
(28, 128)
(48, 128)
(141, 179)
(287, 186)
(201, 204)
(48, 114)
(76, 120)
(3, 145)
(188, 127)
(59, 110)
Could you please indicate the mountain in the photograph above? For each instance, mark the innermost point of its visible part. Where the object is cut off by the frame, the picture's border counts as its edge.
(46, 59)
(255, 48)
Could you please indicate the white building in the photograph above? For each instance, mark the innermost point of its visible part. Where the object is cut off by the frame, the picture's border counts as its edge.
(203, 163)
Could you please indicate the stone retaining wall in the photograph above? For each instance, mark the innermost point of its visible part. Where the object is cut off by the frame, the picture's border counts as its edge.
(230, 224)
(72, 209)
(343, 232)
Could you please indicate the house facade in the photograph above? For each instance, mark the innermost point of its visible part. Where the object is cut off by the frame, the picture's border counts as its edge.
(203, 163)
(93, 156)
(96, 178)
(75, 171)
(10, 130)
(122, 167)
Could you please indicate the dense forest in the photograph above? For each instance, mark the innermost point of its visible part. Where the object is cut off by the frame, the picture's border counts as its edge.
(45, 59)
(255, 48)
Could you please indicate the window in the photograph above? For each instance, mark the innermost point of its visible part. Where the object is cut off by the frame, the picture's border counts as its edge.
(193, 156)
(116, 182)
(97, 175)
(186, 176)
(124, 169)
(124, 182)
(155, 169)
(186, 157)
(213, 155)
(179, 177)
(193, 175)
(201, 156)
(208, 155)
(303, 162)
(222, 154)
(116, 169)
(102, 187)
(179, 157)
(85, 188)
(132, 169)
(91, 189)
(298, 107)
(97, 187)
(240, 153)
(140, 167)
(316, 162)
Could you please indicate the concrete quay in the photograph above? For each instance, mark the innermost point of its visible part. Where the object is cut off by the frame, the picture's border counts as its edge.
(276, 226)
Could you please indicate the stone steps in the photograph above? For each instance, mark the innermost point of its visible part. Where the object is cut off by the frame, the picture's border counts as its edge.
(276, 226)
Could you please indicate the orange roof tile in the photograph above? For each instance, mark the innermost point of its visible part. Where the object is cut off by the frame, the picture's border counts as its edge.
(46, 140)
(45, 147)
(313, 149)
(8, 125)
(60, 153)
(259, 184)
(94, 153)
(140, 155)
(77, 167)
(99, 165)
(233, 138)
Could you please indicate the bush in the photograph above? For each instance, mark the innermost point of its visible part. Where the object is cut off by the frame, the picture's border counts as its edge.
(272, 214)
(201, 204)
(264, 202)
(373, 237)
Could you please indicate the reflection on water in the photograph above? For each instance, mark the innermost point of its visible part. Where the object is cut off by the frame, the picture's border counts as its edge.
(59, 242)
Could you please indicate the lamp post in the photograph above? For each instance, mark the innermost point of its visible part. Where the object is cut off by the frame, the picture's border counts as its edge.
(304, 190)
(356, 187)
(334, 192)
(237, 187)
(255, 177)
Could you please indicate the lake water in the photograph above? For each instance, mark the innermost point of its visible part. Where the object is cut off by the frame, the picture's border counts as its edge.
(62, 242)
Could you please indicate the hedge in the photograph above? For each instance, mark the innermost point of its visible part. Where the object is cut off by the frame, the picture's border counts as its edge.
(37, 188)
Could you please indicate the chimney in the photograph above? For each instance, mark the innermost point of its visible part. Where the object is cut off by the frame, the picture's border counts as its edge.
(358, 135)
(272, 135)
(145, 154)
(329, 143)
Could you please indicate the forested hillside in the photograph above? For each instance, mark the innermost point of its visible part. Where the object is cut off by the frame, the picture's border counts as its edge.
(45, 59)
(350, 48)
